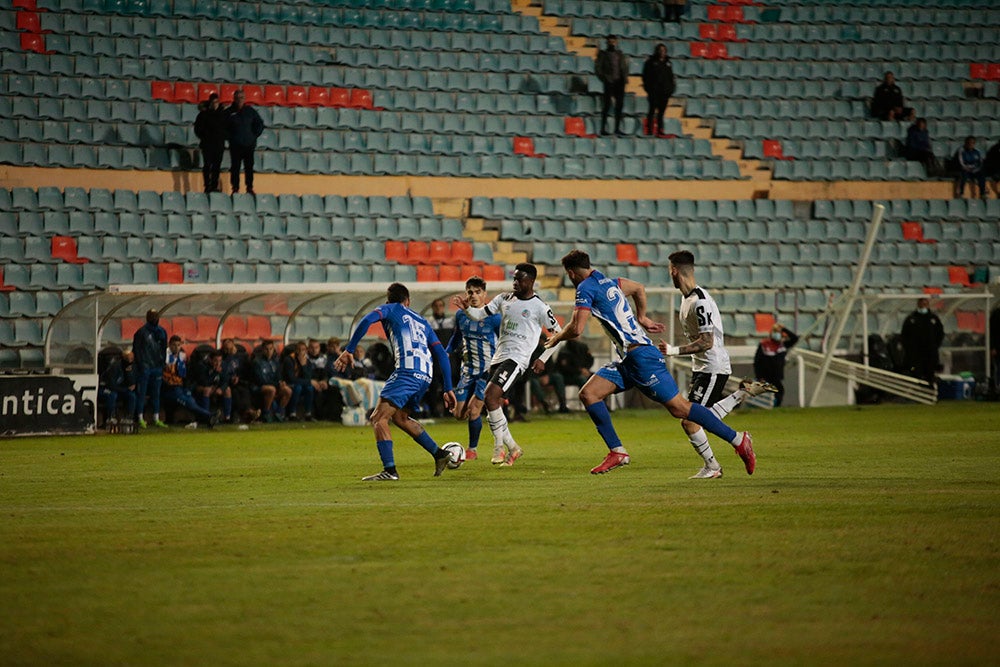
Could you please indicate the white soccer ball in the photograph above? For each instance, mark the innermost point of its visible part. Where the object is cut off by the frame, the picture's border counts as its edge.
(456, 454)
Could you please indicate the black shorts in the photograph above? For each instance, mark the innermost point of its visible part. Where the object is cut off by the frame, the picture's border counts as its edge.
(707, 388)
(505, 374)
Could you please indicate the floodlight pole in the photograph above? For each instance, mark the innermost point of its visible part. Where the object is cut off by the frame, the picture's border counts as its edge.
(852, 295)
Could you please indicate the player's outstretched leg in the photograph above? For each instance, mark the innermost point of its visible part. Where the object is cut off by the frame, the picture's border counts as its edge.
(592, 395)
(703, 416)
(388, 473)
(475, 429)
(415, 430)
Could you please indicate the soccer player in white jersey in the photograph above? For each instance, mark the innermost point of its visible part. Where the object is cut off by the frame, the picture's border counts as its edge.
(701, 324)
(477, 342)
(641, 364)
(415, 347)
(525, 315)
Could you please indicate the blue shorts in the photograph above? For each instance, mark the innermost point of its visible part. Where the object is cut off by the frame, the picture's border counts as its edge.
(644, 369)
(472, 384)
(405, 389)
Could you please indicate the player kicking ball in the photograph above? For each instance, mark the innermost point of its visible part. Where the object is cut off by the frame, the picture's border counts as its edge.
(523, 317)
(478, 341)
(413, 343)
(701, 324)
(640, 363)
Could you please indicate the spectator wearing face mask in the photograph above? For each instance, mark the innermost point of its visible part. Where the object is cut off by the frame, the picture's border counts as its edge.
(921, 337)
(769, 361)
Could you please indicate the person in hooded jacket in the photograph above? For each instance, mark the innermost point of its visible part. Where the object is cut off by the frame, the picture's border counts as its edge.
(658, 82)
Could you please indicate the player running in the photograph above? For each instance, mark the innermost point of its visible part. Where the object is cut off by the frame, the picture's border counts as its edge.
(701, 324)
(413, 342)
(641, 364)
(478, 342)
(524, 316)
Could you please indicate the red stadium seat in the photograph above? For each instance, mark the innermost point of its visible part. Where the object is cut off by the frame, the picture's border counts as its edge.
(708, 31)
(3, 287)
(258, 327)
(469, 270)
(185, 327)
(440, 252)
(912, 231)
(253, 94)
(734, 15)
(235, 326)
(965, 320)
(163, 90)
(772, 149)
(319, 96)
(627, 253)
(295, 96)
(207, 327)
(361, 99)
(64, 248)
(699, 50)
(28, 22)
(461, 253)
(977, 71)
(427, 273)
(274, 96)
(185, 92)
(206, 90)
(30, 5)
(449, 273)
(993, 71)
(417, 252)
(575, 127)
(958, 275)
(395, 251)
(130, 325)
(727, 33)
(718, 51)
(763, 322)
(227, 91)
(494, 273)
(716, 13)
(32, 41)
(524, 146)
(340, 97)
(168, 272)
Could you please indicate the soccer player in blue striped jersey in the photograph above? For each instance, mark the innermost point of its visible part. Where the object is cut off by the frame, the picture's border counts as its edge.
(477, 341)
(415, 347)
(641, 363)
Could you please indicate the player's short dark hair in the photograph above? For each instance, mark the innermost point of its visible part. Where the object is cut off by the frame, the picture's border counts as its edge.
(576, 259)
(475, 281)
(153, 316)
(397, 293)
(681, 258)
(527, 269)
(174, 339)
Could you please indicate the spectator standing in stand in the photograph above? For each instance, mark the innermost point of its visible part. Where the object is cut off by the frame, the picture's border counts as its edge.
(612, 70)
(888, 102)
(210, 128)
(244, 126)
(658, 82)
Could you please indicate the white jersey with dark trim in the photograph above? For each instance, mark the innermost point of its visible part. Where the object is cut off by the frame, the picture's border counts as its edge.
(521, 326)
(699, 314)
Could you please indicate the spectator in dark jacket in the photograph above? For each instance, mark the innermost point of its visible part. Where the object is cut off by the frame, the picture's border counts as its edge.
(243, 125)
(612, 69)
(970, 166)
(921, 337)
(918, 146)
(991, 167)
(210, 128)
(236, 375)
(297, 374)
(209, 385)
(150, 347)
(118, 382)
(274, 394)
(769, 361)
(174, 383)
(658, 82)
(888, 102)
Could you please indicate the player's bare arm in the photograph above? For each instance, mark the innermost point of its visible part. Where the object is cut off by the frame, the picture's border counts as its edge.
(703, 342)
(574, 329)
(637, 292)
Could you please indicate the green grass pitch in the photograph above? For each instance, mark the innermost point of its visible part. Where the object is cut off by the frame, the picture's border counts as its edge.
(867, 536)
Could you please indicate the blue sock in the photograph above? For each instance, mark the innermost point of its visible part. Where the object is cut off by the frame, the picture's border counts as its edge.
(203, 402)
(475, 428)
(704, 417)
(427, 442)
(385, 453)
(602, 420)
(227, 406)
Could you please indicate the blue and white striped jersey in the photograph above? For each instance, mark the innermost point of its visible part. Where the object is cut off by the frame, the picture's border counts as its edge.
(410, 337)
(478, 341)
(605, 300)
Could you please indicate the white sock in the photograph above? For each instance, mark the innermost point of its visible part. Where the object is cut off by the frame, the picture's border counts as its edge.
(728, 404)
(699, 440)
(498, 426)
(619, 450)
(735, 442)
